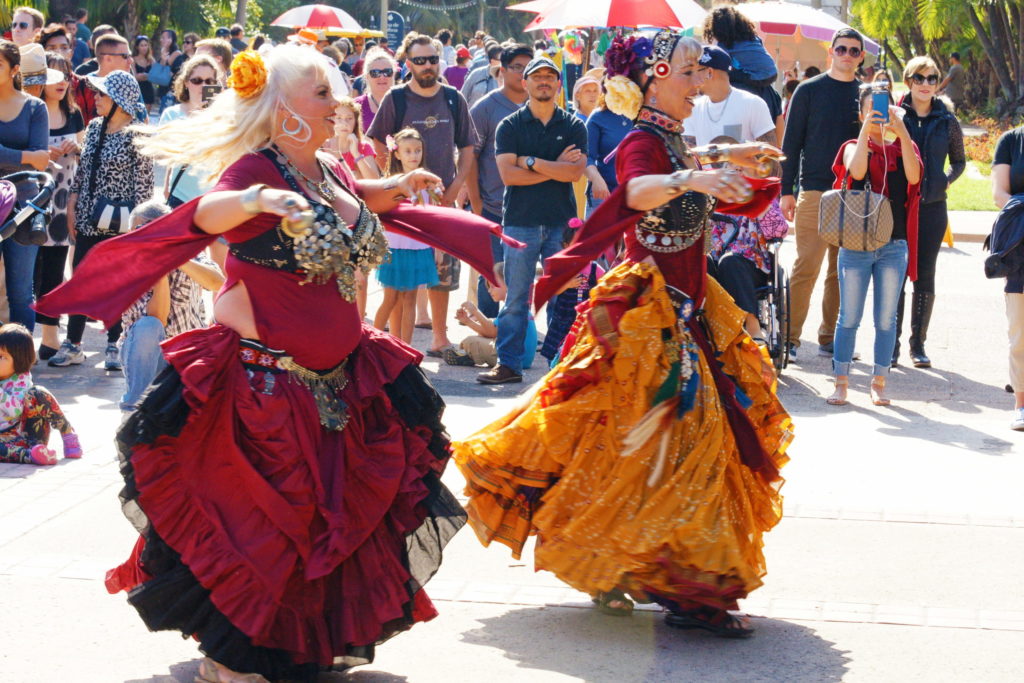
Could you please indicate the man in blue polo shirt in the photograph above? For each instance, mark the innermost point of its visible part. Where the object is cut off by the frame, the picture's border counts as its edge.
(541, 151)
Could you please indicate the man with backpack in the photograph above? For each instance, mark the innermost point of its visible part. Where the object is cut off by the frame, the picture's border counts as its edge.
(441, 115)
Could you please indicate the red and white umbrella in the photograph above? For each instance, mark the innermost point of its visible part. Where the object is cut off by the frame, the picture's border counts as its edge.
(560, 14)
(318, 17)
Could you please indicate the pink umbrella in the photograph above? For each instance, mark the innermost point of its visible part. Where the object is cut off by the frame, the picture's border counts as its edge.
(559, 14)
(318, 17)
(797, 31)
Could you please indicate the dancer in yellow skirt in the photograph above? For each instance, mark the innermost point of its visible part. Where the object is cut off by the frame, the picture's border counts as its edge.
(647, 461)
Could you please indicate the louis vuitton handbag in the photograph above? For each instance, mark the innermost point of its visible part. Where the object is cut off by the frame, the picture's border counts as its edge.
(855, 219)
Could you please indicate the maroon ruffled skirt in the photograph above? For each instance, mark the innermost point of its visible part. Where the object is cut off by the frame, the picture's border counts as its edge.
(284, 547)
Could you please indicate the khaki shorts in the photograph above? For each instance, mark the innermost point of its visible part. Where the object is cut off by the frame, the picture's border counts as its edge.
(481, 350)
(449, 269)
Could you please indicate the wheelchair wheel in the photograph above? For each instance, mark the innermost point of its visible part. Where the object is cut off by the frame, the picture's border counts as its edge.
(781, 296)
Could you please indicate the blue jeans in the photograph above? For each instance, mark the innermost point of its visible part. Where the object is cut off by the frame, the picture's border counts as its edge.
(487, 305)
(592, 205)
(520, 269)
(141, 358)
(19, 275)
(886, 266)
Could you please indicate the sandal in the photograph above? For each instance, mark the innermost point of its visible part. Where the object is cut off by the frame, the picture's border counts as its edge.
(878, 396)
(722, 623)
(209, 673)
(606, 603)
(838, 397)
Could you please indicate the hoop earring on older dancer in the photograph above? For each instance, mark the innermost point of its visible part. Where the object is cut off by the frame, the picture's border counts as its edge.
(292, 133)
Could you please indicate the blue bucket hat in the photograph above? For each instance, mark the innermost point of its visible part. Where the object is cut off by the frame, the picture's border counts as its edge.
(121, 87)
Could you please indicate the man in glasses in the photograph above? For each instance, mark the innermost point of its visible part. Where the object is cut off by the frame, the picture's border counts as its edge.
(487, 190)
(112, 54)
(483, 79)
(441, 116)
(822, 116)
(27, 24)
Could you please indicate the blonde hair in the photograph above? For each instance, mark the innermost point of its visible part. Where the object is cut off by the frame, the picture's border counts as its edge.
(232, 126)
(375, 53)
(917, 65)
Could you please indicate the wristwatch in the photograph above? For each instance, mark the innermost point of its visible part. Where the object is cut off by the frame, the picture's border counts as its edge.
(530, 161)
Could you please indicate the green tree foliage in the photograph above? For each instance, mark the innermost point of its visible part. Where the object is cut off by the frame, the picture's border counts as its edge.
(990, 31)
(7, 9)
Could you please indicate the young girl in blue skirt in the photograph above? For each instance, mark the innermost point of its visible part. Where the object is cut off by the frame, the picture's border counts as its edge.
(412, 262)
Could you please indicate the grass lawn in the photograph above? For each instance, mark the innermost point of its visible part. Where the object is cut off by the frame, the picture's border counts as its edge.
(971, 192)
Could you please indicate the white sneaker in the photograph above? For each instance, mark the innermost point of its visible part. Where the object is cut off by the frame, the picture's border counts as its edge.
(67, 354)
(112, 358)
(1018, 420)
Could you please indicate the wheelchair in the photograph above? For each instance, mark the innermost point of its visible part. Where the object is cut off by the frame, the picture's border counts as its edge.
(773, 309)
(25, 206)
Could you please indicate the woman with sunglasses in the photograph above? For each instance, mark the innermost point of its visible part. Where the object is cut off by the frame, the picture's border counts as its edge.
(181, 183)
(142, 56)
(935, 129)
(379, 74)
(188, 44)
(67, 133)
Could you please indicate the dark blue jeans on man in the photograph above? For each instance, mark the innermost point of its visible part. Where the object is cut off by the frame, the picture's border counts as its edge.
(520, 271)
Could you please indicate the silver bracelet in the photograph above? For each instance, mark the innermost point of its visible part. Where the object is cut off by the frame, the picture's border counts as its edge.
(251, 199)
(677, 181)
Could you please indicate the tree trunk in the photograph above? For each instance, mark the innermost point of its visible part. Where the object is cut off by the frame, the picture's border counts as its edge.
(897, 62)
(1007, 41)
(131, 18)
(165, 21)
(997, 61)
(240, 12)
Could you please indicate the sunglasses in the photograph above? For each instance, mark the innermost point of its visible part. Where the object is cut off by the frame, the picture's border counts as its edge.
(515, 67)
(23, 25)
(203, 81)
(188, 42)
(842, 50)
(420, 61)
(932, 79)
(122, 55)
(377, 73)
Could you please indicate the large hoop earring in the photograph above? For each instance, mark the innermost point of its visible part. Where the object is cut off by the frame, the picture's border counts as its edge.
(292, 133)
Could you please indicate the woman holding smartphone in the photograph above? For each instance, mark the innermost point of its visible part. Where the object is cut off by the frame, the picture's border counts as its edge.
(895, 171)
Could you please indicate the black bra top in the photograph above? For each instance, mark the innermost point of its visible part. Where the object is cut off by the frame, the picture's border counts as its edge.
(275, 249)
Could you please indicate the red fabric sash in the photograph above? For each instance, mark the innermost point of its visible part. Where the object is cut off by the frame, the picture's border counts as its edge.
(613, 218)
(120, 270)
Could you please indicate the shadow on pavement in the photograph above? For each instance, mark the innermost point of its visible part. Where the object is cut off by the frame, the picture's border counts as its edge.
(585, 644)
(186, 672)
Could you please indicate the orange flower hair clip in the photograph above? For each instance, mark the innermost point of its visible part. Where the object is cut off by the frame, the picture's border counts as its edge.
(248, 74)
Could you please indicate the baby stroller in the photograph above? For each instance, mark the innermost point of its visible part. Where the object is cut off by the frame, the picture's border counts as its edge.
(25, 206)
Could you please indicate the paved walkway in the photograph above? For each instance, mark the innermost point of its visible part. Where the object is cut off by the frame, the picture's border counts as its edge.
(899, 558)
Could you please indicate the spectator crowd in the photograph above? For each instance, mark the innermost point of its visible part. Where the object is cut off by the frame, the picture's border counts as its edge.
(518, 137)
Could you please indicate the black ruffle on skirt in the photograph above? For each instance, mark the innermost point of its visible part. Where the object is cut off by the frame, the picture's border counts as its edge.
(173, 600)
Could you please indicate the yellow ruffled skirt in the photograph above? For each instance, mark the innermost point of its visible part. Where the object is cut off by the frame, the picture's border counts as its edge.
(622, 493)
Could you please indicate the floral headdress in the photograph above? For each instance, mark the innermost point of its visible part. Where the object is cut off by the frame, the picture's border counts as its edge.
(628, 55)
(248, 74)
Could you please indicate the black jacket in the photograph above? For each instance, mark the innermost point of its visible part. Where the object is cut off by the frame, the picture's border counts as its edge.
(937, 135)
(1006, 242)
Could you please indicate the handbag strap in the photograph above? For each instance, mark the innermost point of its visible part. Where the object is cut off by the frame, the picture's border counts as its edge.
(177, 178)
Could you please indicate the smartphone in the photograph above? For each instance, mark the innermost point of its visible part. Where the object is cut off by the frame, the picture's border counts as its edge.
(210, 91)
(879, 103)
